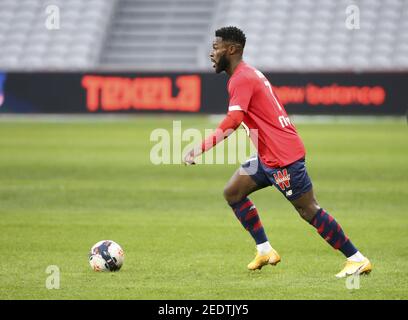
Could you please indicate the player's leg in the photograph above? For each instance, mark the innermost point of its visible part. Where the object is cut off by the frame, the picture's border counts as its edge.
(326, 225)
(239, 186)
(294, 182)
(331, 231)
(236, 194)
(306, 205)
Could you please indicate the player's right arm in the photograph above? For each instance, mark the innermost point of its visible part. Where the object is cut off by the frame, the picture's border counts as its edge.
(240, 90)
(227, 126)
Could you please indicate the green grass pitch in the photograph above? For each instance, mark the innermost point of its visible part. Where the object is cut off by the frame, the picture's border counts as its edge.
(65, 185)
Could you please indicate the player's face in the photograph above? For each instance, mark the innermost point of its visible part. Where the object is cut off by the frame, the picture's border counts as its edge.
(218, 55)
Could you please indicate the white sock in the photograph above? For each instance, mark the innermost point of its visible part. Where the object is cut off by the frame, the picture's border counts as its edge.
(264, 248)
(357, 257)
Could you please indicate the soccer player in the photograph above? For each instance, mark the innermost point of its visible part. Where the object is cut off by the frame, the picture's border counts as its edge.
(280, 161)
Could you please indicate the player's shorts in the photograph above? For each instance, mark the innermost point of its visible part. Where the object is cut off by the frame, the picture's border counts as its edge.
(292, 181)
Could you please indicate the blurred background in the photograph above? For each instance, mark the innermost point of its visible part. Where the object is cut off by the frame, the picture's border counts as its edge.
(323, 56)
(84, 84)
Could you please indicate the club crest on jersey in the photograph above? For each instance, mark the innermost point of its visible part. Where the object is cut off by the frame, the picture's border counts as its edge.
(282, 178)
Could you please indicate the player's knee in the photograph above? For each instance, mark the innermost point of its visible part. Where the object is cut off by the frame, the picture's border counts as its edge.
(228, 194)
(232, 195)
(301, 212)
(307, 212)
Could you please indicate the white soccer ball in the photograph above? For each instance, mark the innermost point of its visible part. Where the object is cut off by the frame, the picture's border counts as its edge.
(106, 255)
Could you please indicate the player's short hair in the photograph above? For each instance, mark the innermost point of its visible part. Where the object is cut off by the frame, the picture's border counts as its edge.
(232, 34)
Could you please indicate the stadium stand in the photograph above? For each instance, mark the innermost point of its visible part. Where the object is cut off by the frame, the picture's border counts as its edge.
(27, 44)
(159, 34)
(288, 35)
(311, 34)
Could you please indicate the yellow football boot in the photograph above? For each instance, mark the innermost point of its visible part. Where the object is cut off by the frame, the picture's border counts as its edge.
(271, 258)
(355, 268)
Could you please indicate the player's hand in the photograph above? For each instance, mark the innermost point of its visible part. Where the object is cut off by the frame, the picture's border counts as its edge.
(189, 158)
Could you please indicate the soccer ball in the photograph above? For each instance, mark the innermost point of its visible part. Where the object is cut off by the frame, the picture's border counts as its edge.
(106, 255)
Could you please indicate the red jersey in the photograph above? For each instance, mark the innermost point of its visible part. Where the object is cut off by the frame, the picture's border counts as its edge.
(277, 140)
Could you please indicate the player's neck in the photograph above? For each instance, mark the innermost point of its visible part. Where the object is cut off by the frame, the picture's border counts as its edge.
(233, 65)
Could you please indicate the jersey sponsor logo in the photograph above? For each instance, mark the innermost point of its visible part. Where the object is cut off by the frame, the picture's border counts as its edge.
(120, 93)
(284, 121)
(282, 178)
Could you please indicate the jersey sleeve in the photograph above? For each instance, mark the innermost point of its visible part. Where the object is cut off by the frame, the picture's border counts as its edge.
(230, 123)
(240, 91)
